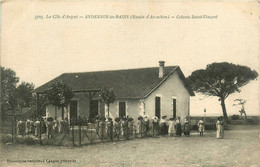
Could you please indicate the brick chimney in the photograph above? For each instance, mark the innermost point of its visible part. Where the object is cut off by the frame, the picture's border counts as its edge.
(161, 69)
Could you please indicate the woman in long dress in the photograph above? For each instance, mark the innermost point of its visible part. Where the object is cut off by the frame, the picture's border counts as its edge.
(163, 124)
(218, 126)
(117, 126)
(186, 128)
(222, 129)
(37, 124)
(156, 126)
(171, 129)
(130, 126)
(201, 126)
(146, 124)
(140, 127)
(178, 127)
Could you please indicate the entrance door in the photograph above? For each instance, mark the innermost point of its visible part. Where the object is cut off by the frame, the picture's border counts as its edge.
(93, 109)
(158, 107)
(122, 109)
(174, 107)
(73, 109)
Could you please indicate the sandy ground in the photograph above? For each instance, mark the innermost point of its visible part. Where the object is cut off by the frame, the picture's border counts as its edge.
(240, 147)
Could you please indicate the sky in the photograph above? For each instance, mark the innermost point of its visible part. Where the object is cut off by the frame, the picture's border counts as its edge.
(39, 50)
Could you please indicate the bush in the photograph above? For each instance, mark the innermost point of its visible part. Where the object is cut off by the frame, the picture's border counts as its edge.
(6, 139)
(30, 140)
(235, 117)
(20, 139)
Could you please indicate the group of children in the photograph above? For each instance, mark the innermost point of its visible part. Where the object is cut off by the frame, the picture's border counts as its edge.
(125, 127)
(28, 127)
(107, 128)
(172, 127)
(35, 127)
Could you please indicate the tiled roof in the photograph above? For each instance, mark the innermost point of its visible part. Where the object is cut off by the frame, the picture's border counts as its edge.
(130, 83)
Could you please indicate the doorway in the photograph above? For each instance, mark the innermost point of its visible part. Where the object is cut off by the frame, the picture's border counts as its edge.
(93, 109)
(122, 109)
(174, 107)
(73, 109)
(158, 107)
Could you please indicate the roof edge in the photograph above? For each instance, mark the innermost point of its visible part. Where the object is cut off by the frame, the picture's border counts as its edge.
(160, 82)
(182, 77)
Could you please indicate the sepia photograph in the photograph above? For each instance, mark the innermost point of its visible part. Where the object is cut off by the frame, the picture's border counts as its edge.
(129, 83)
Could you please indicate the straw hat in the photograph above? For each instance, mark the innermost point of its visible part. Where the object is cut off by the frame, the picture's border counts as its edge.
(164, 116)
(140, 118)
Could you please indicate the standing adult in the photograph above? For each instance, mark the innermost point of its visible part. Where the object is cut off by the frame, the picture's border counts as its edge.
(27, 127)
(186, 128)
(222, 128)
(49, 125)
(171, 129)
(102, 127)
(117, 127)
(201, 126)
(218, 126)
(32, 127)
(130, 126)
(110, 128)
(140, 127)
(37, 127)
(156, 126)
(178, 127)
(146, 124)
(163, 125)
(20, 128)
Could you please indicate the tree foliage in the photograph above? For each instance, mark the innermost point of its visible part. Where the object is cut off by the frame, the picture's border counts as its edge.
(25, 94)
(107, 96)
(8, 89)
(59, 94)
(241, 102)
(221, 80)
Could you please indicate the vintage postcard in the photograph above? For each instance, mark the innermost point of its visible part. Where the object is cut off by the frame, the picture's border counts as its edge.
(129, 83)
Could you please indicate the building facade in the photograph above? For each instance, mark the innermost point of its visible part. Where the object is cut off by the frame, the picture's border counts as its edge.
(155, 91)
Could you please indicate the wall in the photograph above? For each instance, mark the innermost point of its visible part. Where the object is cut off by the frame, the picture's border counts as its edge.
(172, 87)
(132, 108)
(82, 107)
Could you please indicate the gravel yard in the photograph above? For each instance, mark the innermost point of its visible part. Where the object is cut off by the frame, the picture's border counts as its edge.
(240, 147)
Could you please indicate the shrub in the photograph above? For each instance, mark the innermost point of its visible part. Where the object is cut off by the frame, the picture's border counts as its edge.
(235, 117)
(6, 139)
(30, 140)
(20, 139)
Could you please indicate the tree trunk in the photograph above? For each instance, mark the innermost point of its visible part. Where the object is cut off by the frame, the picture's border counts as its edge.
(62, 113)
(108, 110)
(245, 115)
(55, 113)
(224, 109)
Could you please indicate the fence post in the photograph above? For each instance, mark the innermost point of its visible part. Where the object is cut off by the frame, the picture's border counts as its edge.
(102, 131)
(40, 131)
(141, 129)
(73, 133)
(91, 139)
(13, 131)
(127, 131)
(79, 132)
(111, 131)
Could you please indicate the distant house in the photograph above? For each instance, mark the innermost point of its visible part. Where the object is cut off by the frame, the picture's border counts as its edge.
(151, 91)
